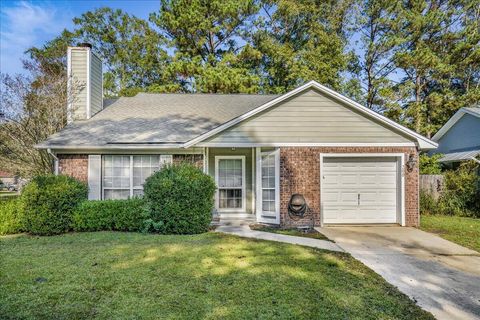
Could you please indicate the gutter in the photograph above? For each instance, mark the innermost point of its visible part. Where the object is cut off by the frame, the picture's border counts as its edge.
(55, 160)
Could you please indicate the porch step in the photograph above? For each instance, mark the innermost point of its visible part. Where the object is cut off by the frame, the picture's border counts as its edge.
(236, 219)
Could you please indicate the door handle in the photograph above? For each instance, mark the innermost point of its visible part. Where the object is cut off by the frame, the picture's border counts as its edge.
(358, 199)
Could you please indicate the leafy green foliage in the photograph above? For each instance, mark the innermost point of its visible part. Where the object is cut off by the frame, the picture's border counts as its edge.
(11, 216)
(120, 215)
(181, 197)
(428, 204)
(460, 195)
(49, 202)
(430, 164)
(150, 226)
(302, 41)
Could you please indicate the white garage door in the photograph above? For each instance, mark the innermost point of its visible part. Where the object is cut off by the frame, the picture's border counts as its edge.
(359, 190)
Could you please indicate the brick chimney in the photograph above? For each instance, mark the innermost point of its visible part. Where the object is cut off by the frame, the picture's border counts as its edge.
(85, 82)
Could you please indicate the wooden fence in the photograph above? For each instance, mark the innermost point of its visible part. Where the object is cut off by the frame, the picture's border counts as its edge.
(432, 184)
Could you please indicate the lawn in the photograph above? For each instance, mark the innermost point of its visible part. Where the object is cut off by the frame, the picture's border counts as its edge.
(464, 231)
(108, 275)
(314, 234)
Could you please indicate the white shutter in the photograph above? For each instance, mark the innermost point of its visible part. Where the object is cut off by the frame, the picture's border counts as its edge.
(94, 177)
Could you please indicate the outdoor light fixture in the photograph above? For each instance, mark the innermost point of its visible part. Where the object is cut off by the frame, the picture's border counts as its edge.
(411, 162)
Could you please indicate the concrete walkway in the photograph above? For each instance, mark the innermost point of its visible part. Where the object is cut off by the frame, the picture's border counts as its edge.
(443, 277)
(246, 232)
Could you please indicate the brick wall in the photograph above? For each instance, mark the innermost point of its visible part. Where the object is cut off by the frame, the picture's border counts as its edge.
(74, 165)
(196, 159)
(300, 173)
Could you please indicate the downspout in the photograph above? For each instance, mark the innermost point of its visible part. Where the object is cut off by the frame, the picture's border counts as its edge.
(55, 160)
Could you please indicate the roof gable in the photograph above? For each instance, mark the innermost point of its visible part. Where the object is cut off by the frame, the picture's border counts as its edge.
(475, 112)
(309, 117)
(423, 142)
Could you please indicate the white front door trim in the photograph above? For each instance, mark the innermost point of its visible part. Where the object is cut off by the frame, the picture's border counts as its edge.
(267, 217)
(217, 197)
(400, 176)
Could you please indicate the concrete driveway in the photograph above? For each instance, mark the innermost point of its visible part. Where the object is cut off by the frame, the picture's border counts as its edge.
(442, 277)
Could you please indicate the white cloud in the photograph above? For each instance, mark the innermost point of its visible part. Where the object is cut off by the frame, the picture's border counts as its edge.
(23, 25)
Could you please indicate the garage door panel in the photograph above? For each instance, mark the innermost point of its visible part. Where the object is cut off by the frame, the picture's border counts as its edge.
(373, 179)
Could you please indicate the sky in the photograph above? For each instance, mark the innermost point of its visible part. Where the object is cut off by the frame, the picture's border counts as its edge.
(24, 24)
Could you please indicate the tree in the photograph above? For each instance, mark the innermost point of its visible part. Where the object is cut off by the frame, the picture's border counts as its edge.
(432, 39)
(379, 25)
(207, 38)
(34, 108)
(133, 52)
(301, 41)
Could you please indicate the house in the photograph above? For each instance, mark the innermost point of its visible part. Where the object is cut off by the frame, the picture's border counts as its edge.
(7, 177)
(352, 165)
(459, 139)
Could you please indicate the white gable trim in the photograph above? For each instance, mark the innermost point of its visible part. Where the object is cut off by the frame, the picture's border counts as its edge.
(451, 122)
(423, 142)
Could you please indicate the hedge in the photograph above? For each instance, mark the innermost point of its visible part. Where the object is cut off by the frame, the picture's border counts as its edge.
(181, 199)
(11, 216)
(120, 215)
(49, 202)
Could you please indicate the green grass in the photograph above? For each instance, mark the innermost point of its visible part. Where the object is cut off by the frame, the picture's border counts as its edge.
(8, 193)
(108, 275)
(461, 230)
(314, 234)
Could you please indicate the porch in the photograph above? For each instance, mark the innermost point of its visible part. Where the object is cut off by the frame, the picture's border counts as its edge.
(248, 183)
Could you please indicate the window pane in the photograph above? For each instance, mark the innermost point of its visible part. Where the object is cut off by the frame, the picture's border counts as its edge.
(268, 183)
(116, 194)
(144, 166)
(138, 192)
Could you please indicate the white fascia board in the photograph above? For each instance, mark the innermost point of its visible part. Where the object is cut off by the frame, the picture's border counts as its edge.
(423, 142)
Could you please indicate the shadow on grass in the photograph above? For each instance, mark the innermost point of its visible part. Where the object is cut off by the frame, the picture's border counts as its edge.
(209, 276)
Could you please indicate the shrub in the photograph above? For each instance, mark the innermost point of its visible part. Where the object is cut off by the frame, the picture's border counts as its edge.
(120, 215)
(49, 202)
(181, 198)
(430, 165)
(11, 216)
(461, 194)
(428, 204)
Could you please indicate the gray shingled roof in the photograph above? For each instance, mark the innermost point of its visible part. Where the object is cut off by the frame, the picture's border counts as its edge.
(155, 118)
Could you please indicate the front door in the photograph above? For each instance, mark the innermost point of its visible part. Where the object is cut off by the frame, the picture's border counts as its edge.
(230, 178)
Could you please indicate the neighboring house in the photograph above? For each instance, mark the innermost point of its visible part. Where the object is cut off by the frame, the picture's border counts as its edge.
(7, 177)
(352, 165)
(459, 139)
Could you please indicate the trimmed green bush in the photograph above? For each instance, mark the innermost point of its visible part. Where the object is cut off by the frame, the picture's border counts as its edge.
(120, 215)
(49, 202)
(180, 198)
(11, 216)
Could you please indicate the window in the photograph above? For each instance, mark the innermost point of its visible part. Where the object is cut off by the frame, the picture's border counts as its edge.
(230, 178)
(268, 182)
(124, 176)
